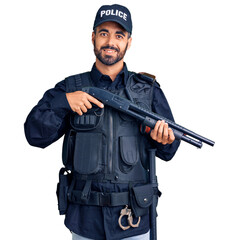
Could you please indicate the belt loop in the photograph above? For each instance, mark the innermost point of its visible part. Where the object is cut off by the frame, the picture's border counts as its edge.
(69, 194)
(86, 191)
(105, 199)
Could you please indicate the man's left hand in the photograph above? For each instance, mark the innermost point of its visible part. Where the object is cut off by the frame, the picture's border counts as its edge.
(162, 133)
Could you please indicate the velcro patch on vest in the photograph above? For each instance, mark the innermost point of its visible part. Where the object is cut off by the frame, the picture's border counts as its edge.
(148, 75)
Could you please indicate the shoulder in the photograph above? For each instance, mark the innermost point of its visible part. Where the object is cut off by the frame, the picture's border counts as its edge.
(73, 76)
(149, 78)
(71, 79)
(68, 84)
(76, 81)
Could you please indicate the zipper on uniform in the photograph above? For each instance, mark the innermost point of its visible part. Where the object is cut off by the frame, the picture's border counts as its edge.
(110, 141)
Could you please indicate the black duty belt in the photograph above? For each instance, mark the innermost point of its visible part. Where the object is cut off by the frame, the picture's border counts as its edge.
(100, 198)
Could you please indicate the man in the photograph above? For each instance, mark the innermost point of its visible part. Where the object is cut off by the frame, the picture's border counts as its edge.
(104, 149)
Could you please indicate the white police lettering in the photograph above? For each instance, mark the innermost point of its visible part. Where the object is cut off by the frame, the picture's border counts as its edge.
(114, 13)
(102, 13)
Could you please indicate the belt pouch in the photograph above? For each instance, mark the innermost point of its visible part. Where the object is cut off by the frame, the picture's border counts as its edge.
(62, 189)
(141, 198)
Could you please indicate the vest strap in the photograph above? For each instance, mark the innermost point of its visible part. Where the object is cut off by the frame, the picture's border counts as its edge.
(86, 191)
(97, 177)
(101, 199)
(77, 82)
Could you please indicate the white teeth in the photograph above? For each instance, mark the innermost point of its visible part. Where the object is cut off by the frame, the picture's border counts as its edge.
(109, 51)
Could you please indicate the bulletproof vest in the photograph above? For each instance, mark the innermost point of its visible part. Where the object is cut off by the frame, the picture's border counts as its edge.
(107, 145)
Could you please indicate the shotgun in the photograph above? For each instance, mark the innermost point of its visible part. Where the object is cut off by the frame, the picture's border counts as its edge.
(146, 117)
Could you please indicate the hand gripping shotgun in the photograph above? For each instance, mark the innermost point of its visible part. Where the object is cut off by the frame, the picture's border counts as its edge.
(146, 117)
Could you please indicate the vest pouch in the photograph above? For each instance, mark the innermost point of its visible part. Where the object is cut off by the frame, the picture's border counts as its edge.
(141, 197)
(129, 151)
(88, 152)
(68, 149)
(87, 121)
(62, 190)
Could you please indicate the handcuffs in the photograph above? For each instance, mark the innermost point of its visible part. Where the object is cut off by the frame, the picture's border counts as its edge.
(127, 212)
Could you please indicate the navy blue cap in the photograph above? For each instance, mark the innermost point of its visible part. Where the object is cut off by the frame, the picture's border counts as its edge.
(114, 13)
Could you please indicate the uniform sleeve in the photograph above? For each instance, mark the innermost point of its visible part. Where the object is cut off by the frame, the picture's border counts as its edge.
(160, 106)
(47, 121)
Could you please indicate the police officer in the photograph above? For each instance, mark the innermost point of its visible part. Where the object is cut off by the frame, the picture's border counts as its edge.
(104, 150)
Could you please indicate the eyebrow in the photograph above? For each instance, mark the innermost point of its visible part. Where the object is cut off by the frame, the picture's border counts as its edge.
(103, 30)
(120, 32)
(106, 30)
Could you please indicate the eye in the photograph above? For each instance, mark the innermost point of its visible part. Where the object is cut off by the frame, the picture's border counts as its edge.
(119, 36)
(103, 34)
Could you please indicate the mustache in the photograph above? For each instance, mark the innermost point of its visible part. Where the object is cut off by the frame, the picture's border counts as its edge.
(110, 47)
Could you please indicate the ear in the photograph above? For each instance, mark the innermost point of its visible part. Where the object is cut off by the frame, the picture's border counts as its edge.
(93, 38)
(129, 43)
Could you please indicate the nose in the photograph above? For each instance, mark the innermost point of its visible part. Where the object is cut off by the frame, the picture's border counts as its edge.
(110, 41)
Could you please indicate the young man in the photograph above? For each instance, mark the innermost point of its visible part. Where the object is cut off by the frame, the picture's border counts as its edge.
(104, 149)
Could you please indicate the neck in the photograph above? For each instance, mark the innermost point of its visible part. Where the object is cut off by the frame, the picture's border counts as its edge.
(112, 71)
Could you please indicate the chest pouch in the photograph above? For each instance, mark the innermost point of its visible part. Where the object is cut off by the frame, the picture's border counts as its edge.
(68, 149)
(88, 121)
(87, 156)
(88, 153)
(129, 152)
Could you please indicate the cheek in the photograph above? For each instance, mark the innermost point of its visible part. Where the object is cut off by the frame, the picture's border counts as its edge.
(123, 45)
(98, 43)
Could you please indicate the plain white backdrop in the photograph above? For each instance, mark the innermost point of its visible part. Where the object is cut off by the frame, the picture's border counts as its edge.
(190, 45)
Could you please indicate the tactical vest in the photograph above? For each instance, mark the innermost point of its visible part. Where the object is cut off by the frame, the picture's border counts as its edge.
(104, 144)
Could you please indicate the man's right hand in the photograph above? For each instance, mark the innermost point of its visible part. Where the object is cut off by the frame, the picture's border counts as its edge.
(81, 101)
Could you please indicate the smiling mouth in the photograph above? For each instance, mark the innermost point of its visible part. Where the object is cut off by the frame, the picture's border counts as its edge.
(109, 51)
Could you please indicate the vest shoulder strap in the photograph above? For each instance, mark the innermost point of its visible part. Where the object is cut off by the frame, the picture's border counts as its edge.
(149, 78)
(78, 81)
(148, 75)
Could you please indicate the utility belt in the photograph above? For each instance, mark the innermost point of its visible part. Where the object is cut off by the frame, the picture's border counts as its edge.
(139, 198)
(100, 199)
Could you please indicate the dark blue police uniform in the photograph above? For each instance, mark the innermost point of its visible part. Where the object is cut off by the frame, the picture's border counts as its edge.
(49, 120)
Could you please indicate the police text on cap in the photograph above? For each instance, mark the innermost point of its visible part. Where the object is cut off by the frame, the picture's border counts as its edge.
(113, 13)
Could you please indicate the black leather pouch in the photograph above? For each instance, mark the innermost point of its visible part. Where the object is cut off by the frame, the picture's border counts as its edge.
(141, 199)
(62, 190)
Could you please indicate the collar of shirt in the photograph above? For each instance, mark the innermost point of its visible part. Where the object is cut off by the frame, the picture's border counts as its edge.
(104, 81)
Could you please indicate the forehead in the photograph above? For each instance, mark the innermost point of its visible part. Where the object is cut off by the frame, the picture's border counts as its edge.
(111, 26)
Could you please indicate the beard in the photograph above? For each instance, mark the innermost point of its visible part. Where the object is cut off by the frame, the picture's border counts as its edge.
(108, 59)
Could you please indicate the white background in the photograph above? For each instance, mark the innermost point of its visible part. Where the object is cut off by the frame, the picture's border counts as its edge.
(192, 48)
